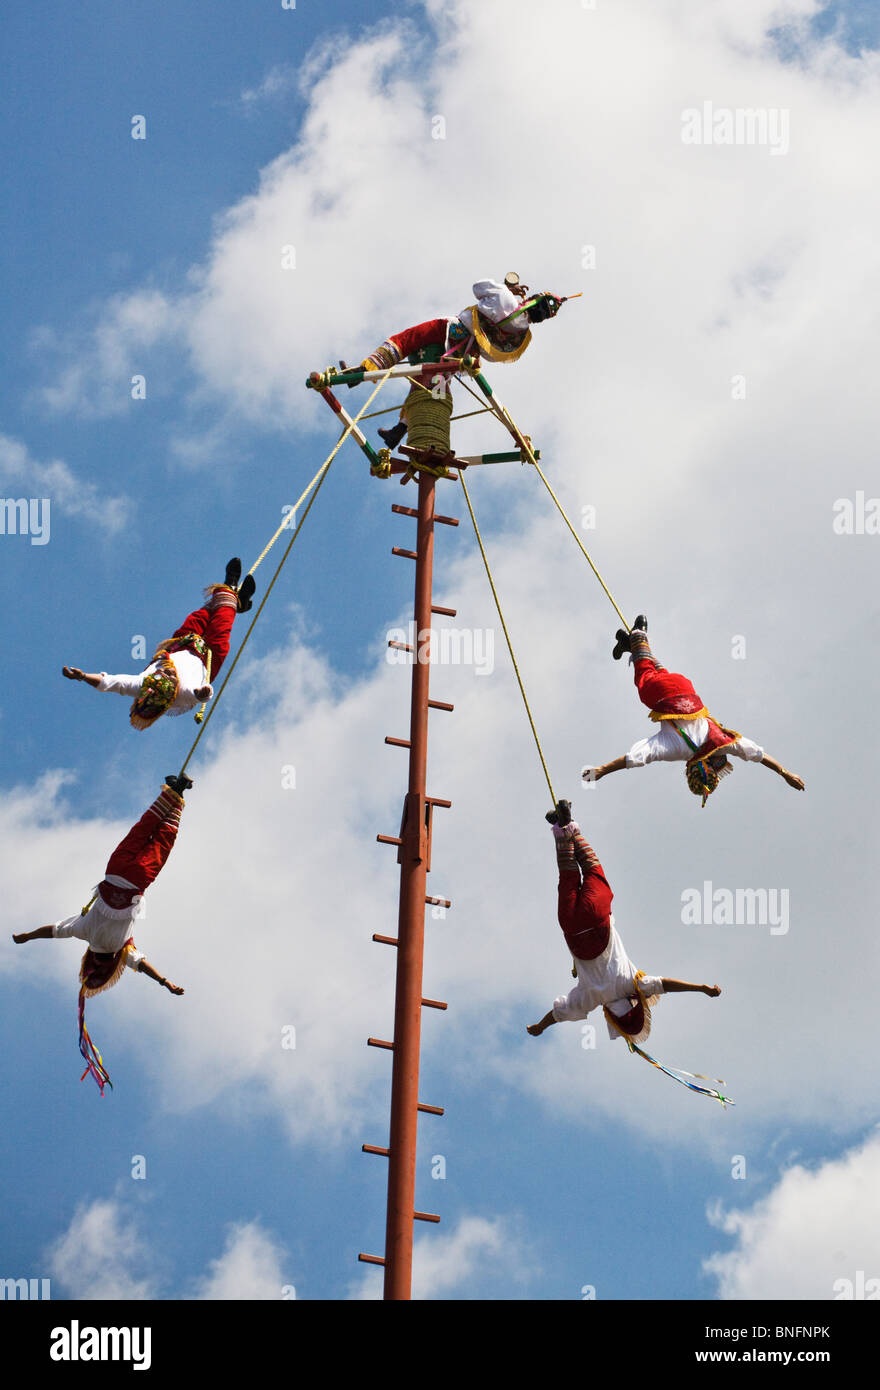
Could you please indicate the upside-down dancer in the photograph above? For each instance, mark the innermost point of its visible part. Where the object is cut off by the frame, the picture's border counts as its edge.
(496, 327)
(606, 976)
(177, 679)
(687, 732)
(106, 922)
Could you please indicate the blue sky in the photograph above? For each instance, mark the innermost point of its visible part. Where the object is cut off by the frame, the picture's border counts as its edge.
(156, 256)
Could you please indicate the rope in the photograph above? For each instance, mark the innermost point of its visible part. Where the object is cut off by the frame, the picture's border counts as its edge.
(578, 539)
(316, 483)
(507, 419)
(200, 714)
(304, 494)
(507, 636)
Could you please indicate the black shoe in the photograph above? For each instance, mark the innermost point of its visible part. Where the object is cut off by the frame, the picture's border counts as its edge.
(393, 436)
(246, 593)
(179, 783)
(621, 645)
(641, 623)
(233, 573)
(561, 815)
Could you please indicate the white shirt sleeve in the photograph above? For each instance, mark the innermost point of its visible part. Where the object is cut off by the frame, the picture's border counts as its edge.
(68, 927)
(744, 748)
(664, 746)
(121, 685)
(651, 985)
(571, 1007)
(133, 958)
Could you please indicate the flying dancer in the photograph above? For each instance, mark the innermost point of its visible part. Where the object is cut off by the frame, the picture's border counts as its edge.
(687, 732)
(496, 326)
(606, 977)
(106, 922)
(179, 676)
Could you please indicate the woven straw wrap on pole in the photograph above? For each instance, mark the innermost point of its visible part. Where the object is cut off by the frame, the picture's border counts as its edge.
(427, 419)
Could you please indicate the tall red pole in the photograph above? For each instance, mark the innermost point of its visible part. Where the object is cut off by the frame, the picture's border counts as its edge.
(414, 853)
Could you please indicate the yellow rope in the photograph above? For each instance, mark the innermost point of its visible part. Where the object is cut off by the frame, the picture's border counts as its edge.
(504, 415)
(319, 480)
(304, 494)
(200, 714)
(507, 636)
(578, 539)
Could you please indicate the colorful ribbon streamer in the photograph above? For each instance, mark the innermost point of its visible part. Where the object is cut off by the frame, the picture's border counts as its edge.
(678, 1074)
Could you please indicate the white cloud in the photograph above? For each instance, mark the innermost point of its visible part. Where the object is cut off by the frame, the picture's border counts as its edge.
(478, 1250)
(95, 365)
(251, 1267)
(811, 1237)
(102, 1256)
(57, 481)
(710, 262)
(278, 81)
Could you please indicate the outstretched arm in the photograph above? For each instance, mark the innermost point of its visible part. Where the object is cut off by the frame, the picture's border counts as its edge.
(146, 968)
(536, 1029)
(790, 777)
(685, 987)
(596, 774)
(38, 934)
(73, 673)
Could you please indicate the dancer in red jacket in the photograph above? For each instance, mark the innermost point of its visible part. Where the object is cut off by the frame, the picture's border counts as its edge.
(606, 976)
(496, 327)
(179, 676)
(107, 922)
(687, 732)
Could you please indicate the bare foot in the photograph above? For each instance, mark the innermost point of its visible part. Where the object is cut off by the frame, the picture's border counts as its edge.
(535, 1029)
(20, 938)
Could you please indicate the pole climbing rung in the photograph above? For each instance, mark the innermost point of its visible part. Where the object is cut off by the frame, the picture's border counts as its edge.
(437, 801)
(373, 1149)
(389, 839)
(398, 742)
(372, 1259)
(404, 554)
(436, 902)
(440, 704)
(447, 612)
(387, 940)
(380, 1042)
(434, 1004)
(431, 1109)
(425, 1216)
(411, 511)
